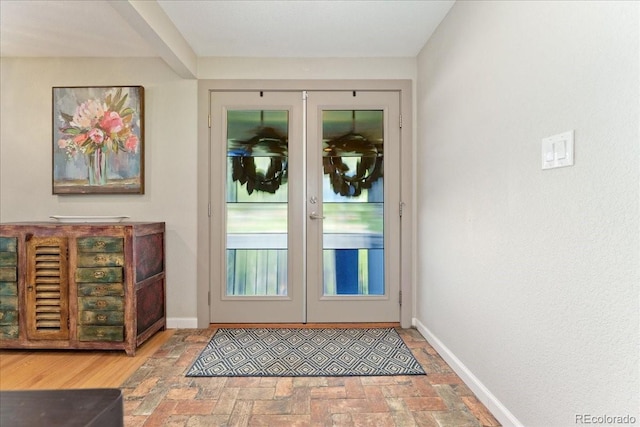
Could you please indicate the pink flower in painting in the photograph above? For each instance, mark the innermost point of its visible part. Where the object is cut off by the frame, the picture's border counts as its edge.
(100, 124)
(131, 144)
(111, 122)
(96, 136)
(87, 114)
(79, 139)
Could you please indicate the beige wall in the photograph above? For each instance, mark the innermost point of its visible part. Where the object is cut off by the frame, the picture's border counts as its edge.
(529, 278)
(170, 155)
(171, 158)
(307, 68)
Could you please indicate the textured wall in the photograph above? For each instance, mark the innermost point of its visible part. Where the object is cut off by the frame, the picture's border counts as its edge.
(530, 277)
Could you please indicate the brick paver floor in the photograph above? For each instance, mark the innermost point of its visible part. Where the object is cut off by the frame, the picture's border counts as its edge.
(159, 394)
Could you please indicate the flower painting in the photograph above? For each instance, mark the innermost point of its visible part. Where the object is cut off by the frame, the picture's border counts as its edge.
(98, 140)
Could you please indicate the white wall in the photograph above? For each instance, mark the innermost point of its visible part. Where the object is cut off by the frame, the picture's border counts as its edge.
(529, 279)
(170, 155)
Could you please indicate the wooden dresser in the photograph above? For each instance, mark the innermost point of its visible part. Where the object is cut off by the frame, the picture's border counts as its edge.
(95, 286)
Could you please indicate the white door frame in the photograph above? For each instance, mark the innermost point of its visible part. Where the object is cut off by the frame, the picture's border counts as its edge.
(205, 87)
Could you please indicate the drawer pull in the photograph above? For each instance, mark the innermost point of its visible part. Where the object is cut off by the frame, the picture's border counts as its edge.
(101, 303)
(101, 317)
(100, 244)
(99, 274)
(100, 258)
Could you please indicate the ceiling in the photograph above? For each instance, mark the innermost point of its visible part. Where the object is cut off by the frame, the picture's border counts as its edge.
(210, 28)
(306, 28)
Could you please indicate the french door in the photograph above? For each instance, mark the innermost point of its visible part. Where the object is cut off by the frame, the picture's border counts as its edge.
(305, 194)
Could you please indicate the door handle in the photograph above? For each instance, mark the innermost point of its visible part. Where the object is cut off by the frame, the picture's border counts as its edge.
(314, 215)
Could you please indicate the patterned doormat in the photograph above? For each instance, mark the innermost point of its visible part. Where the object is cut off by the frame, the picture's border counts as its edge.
(295, 352)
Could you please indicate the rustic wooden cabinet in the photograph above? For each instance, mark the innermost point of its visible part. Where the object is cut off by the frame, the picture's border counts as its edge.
(81, 286)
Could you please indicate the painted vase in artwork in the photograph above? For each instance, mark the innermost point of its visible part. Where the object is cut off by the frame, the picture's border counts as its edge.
(97, 166)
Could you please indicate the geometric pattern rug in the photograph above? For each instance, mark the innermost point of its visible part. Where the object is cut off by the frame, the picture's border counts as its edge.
(296, 352)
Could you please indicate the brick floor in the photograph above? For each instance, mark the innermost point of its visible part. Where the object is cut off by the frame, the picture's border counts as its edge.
(159, 394)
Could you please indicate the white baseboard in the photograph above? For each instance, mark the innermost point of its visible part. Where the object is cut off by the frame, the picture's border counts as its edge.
(499, 411)
(182, 322)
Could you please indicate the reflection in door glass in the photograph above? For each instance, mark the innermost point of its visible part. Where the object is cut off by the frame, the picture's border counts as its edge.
(353, 195)
(257, 195)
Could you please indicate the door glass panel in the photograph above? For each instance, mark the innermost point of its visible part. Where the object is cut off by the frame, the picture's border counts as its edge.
(353, 202)
(257, 195)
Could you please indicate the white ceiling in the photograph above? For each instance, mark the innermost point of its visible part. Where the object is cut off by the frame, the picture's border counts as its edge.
(306, 28)
(266, 28)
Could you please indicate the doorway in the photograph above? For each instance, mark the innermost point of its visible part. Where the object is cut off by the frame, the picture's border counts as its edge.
(305, 206)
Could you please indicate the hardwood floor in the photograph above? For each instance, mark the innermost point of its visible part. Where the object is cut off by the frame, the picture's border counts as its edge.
(44, 369)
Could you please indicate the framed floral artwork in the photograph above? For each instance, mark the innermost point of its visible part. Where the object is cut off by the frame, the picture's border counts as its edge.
(98, 140)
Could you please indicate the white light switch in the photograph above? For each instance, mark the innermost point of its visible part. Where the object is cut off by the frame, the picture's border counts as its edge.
(557, 150)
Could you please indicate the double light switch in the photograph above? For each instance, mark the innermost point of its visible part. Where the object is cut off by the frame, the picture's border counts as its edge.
(557, 150)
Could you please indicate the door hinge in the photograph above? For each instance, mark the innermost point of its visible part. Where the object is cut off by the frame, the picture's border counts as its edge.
(400, 121)
(209, 209)
(209, 298)
(209, 120)
(401, 210)
(305, 95)
(400, 298)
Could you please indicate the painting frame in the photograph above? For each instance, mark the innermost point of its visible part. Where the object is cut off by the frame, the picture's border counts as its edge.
(97, 140)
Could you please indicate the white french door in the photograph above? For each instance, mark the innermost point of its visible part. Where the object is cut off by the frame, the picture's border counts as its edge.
(305, 206)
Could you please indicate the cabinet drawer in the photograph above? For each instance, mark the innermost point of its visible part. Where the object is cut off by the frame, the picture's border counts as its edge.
(8, 259)
(8, 317)
(8, 332)
(100, 289)
(100, 333)
(8, 244)
(100, 259)
(100, 275)
(100, 303)
(9, 288)
(100, 244)
(8, 274)
(115, 318)
(8, 302)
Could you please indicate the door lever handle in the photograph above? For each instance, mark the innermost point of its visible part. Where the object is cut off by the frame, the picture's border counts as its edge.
(314, 215)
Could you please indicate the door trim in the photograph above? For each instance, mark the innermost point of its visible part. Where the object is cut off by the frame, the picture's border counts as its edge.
(407, 244)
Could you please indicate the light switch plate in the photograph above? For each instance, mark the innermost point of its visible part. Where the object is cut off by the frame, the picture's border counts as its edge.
(557, 150)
